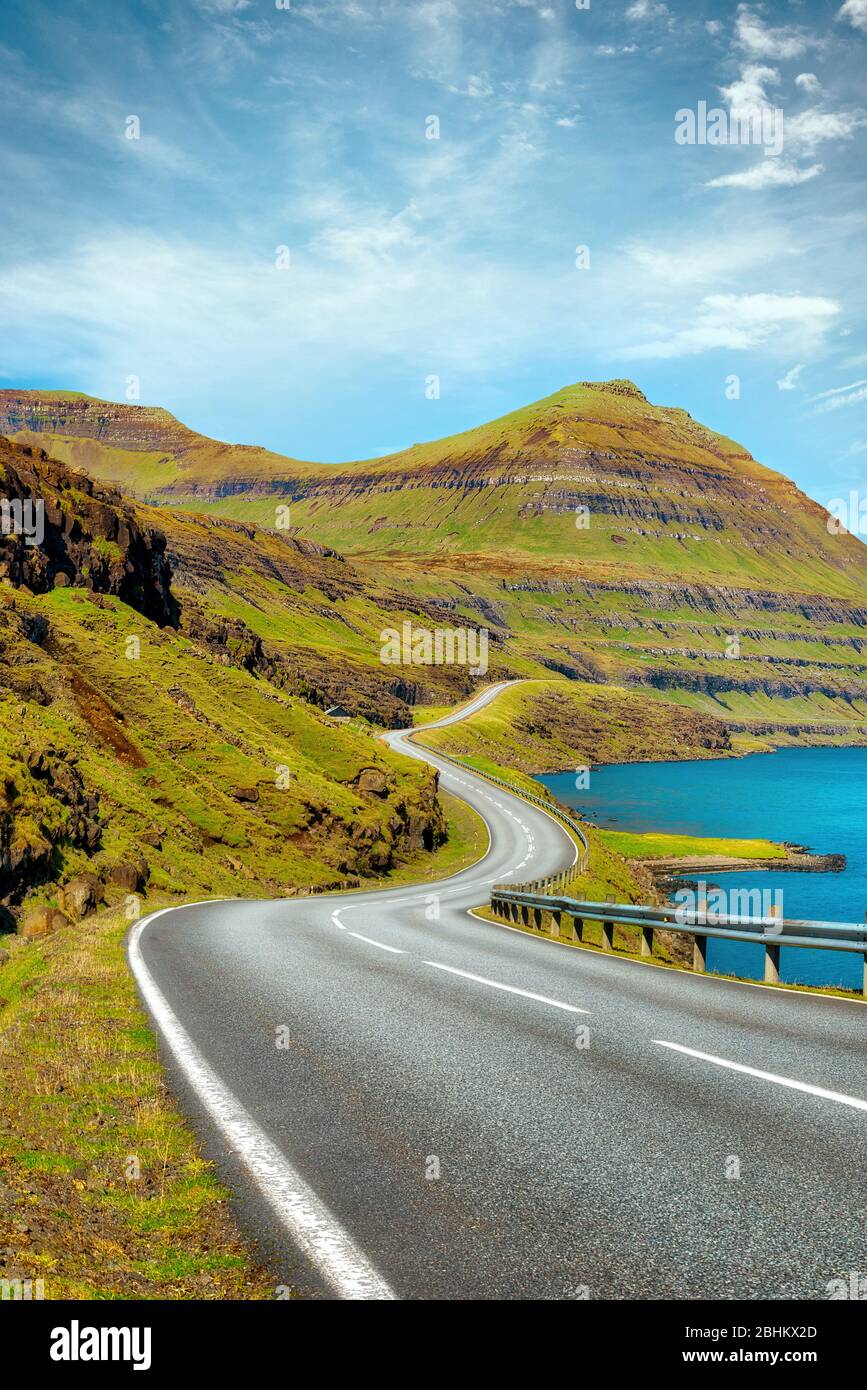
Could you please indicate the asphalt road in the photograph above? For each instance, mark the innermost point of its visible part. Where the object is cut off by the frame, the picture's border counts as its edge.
(409, 1102)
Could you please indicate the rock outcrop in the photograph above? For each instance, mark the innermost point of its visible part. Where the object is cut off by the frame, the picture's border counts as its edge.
(61, 528)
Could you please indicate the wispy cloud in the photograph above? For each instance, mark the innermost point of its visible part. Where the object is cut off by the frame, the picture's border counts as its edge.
(770, 173)
(744, 322)
(647, 9)
(789, 382)
(840, 396)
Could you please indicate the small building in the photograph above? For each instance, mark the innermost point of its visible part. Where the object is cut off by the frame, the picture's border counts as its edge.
(338, 712)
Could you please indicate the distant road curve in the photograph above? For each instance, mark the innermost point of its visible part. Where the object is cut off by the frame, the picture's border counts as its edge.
(460, 1111)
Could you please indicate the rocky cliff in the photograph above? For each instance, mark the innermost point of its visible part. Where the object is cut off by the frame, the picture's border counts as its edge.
(60, 527)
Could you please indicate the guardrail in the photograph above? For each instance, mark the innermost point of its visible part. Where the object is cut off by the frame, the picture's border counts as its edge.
(526, 906)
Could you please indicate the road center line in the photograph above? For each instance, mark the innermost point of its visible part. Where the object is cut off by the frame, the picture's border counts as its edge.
(768, 1076)
(509, 989)
(370, 941)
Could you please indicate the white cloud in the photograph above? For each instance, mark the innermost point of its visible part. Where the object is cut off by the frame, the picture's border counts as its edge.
(714, 260)
(789, 382)
(841, 396)
(770, 173)
(801, 134)
(808, 82)
(753, 35)
(856, 13)
(370, 292)
(743, 322)
(749, 91)
(646, 9)
(811, 127)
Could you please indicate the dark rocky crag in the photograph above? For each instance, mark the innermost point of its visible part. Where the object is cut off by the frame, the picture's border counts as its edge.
(91, 537)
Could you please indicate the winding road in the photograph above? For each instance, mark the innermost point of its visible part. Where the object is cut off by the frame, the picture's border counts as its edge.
(410, 1102)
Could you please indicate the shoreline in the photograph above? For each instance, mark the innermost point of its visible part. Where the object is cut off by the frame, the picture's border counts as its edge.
(673, 872)
(713, 756)
(668, 872)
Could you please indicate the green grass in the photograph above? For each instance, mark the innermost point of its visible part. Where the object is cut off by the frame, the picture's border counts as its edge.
(82, 1090)
(659, 846)
(82, 1093)
(168, 738)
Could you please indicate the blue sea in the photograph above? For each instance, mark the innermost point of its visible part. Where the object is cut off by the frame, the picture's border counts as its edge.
(809, 796)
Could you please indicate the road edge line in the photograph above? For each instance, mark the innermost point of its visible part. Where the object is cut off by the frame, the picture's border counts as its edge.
(307, 1220)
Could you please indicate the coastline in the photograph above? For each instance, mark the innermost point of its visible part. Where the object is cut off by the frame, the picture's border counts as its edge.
(668, 871)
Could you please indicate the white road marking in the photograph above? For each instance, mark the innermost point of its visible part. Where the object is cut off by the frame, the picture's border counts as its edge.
(370, 941)
(334, 917)
(768, 1076)
(509, 989)
(306, 1219)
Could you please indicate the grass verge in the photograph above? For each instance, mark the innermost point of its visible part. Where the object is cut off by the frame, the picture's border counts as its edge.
(103, 1191)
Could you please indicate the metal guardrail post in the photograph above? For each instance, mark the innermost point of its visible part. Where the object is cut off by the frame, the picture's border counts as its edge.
(772, 963)
(646, 949)
(772, 955)
(608, 936)
(699, 954)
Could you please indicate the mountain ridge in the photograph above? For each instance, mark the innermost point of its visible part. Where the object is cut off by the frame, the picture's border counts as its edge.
(597, 536)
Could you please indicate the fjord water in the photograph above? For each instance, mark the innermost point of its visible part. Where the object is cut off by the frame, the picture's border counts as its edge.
(808, 796)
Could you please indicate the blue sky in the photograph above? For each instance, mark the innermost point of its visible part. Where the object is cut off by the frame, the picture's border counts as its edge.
(306, 127)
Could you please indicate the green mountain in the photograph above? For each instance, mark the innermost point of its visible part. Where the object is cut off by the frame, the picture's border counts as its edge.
(599, 538)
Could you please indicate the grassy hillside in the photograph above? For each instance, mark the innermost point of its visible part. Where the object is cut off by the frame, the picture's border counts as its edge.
(594, 535)
(242, 786)
(148, 736)
(550, 725)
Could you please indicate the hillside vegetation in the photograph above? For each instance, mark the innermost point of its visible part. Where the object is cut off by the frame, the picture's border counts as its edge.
(145, 741)
(594, 535)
